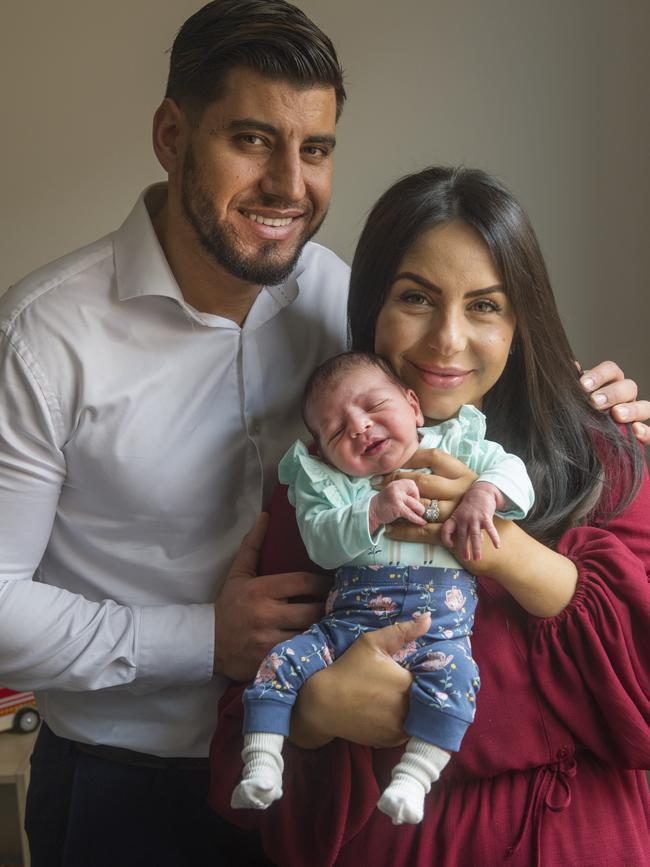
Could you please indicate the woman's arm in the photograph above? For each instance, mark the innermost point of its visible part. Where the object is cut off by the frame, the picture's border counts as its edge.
(542, 581)
(600, 642)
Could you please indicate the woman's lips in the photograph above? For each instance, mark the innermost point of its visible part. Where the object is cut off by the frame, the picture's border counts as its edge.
(442, 377)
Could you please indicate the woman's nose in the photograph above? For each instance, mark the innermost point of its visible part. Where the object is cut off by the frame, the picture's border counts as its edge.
(449, 335)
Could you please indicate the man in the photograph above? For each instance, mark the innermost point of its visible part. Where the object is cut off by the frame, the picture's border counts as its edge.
(150, 384)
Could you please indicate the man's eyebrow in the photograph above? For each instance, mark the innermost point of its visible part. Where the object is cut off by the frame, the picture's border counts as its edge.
(252, 123)
(322, 139)
(426, 284)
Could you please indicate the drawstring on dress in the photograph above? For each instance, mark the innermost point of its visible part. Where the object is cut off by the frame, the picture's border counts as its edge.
(549, 789)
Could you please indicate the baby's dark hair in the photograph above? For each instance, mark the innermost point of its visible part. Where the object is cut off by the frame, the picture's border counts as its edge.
(337, 366)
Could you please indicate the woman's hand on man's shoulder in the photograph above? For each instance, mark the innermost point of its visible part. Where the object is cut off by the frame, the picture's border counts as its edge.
(610, 390)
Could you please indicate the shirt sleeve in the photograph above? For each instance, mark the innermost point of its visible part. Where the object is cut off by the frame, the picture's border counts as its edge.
(51, 638)
(592, 662)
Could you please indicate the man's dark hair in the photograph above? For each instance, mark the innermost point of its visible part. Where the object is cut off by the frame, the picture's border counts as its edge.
(335, 367)
(271, 37)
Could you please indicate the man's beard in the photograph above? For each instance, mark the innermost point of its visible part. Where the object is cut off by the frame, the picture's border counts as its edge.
(263, 267)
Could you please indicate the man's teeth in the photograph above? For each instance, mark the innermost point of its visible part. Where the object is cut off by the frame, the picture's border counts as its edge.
(270, 221)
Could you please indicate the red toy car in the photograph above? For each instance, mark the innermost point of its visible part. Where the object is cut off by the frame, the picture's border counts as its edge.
(18, 711)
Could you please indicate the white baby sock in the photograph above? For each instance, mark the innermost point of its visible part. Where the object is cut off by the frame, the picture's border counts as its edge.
(421, 765)
(261, 782)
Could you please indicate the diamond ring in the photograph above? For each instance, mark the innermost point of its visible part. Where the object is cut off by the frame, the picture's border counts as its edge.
(432, 512)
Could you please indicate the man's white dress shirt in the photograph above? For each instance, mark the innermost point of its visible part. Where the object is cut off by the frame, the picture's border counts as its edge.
(139, 440)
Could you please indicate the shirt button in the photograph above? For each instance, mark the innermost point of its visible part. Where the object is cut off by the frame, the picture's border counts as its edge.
(563, 752)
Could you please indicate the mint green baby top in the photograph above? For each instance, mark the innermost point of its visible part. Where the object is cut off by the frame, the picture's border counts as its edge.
(332, 507)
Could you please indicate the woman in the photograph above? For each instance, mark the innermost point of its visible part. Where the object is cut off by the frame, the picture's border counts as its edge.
(449, 284)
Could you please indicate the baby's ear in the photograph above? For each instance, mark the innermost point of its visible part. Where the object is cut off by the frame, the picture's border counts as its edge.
(413, 399)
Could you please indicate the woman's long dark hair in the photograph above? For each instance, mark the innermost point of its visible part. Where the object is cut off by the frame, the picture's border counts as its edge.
(580, 463)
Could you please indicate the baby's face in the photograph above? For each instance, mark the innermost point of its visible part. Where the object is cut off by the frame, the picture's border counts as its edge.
(366, 424)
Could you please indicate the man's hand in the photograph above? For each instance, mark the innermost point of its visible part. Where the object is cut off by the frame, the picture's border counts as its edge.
(254, 612)
(363, 696)
(609, 390)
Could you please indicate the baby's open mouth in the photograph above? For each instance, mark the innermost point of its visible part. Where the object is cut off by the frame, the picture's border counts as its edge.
(374, 447)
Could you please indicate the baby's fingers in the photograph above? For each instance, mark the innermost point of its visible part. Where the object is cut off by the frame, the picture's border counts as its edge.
(416, 505)
(447, 533)
(461, 541)
(414, 518)
(491, 530)
(475, 542)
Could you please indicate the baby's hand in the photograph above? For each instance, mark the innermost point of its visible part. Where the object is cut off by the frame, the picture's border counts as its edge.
(399, 499)
(474, 513)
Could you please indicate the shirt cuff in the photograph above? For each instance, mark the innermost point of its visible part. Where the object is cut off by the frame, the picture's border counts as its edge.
(176, 644)
(518, 494)
(361, 520)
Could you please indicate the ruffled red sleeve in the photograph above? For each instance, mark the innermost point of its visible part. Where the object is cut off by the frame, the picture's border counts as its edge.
(592, 662)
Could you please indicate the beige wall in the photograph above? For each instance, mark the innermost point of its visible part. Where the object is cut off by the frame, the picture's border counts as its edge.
(551, 96)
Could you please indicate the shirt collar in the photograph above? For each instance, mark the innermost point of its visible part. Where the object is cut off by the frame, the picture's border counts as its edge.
(142, 269)
(140, 264)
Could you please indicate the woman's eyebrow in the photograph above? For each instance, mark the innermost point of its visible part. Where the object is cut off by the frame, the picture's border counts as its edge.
(427, 284)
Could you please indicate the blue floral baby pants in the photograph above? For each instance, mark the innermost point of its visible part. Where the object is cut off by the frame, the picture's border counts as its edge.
(443, 694)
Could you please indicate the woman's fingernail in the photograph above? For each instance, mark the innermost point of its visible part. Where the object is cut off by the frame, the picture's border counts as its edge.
(622, 412)
(587, 382)
(599, 399)
(639, 429)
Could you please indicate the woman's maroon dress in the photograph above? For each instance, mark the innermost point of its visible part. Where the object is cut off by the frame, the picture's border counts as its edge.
(549, 773)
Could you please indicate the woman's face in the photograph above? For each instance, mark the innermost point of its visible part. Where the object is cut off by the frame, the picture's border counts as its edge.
(446, 325)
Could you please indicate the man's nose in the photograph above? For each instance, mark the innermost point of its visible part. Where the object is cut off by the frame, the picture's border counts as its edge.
(284, 176)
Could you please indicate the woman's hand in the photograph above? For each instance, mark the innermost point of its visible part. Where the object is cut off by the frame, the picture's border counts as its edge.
(610, 390)
(451, 479)
(363, 695)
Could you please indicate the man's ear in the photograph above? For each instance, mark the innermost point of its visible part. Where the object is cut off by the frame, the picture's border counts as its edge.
(413, 399)
(170, 127)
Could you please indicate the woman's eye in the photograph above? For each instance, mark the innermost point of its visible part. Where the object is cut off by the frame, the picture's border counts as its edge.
(485, 306)
(415, 298)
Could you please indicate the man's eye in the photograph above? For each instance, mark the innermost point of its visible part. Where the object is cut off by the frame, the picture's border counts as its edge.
(316, 151)
(251, 139)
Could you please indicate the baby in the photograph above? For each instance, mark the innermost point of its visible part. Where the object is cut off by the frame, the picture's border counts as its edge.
(365, 424)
